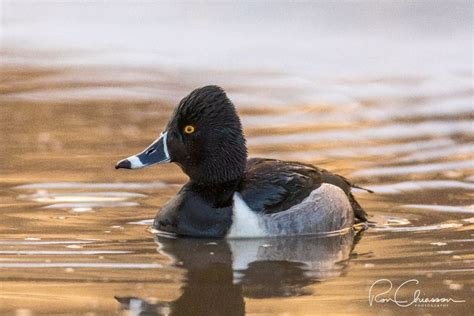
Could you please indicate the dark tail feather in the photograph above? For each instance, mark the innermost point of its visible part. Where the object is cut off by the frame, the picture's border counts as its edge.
(359, 213)
(358, 187)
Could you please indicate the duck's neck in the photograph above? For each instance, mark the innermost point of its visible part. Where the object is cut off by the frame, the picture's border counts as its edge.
(217, 194)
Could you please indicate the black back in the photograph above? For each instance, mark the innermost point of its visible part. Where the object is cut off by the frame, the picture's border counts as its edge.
(272, 186)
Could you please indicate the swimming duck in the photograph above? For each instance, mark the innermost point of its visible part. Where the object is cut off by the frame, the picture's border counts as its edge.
(228, 195)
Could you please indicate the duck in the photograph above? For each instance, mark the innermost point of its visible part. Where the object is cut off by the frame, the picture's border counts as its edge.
(229, 195)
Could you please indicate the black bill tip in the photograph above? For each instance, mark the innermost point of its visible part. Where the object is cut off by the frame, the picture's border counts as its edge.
(125, 164)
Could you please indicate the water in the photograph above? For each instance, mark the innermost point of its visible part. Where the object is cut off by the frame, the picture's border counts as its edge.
(364, 90)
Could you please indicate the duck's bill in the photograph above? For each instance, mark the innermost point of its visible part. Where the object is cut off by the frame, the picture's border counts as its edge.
(157, 152)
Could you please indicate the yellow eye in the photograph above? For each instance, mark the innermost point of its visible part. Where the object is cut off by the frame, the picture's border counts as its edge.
(189, 129)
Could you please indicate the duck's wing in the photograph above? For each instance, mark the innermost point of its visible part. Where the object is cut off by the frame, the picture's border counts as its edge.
(272, 186)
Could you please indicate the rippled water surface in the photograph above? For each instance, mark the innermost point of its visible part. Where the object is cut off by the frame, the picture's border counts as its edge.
(374, 96)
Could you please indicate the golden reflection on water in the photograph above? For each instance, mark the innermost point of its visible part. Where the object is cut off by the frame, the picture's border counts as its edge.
(73, 230)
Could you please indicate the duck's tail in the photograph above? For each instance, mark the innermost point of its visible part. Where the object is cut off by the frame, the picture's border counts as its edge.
(361, 188)
(359, 213)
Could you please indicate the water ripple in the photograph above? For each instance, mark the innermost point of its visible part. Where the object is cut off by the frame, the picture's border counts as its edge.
(419, 168)
(46, 197)
(410, 186)
(90, 206)
(30, 265)
(100, 186)
(47, 242)
(65, 252)
(419, 228)
(387, 132)
(443, 208)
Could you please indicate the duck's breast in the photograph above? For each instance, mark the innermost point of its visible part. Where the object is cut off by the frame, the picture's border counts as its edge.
(245, 222)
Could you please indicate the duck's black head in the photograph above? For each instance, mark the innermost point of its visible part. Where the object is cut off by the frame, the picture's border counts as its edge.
(204, 137)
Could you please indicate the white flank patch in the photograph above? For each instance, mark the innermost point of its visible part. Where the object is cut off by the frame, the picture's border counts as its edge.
(135, 163)
(245, 222)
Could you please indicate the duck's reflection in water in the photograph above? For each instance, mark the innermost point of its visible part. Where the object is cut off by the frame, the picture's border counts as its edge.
(221, 273)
